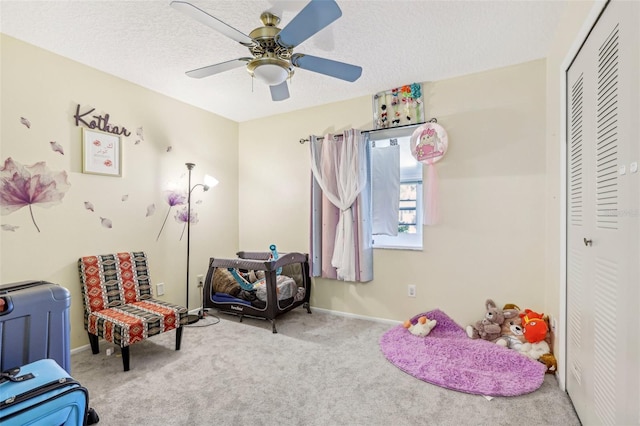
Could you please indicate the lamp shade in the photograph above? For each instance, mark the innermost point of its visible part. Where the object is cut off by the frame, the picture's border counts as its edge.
(271, 74)
(210, 181)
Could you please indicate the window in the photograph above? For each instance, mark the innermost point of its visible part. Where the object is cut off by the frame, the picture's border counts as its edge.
(410, 201)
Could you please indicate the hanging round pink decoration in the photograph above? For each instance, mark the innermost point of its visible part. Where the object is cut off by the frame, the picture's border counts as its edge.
(429, 143)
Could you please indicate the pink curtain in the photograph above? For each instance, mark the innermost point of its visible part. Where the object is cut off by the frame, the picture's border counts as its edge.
(431, 211)
(340, 214)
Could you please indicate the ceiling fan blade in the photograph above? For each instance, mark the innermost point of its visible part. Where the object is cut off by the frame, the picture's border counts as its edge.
(217, 68)
(280, 92)
(210, 21)
(327, 67)
(315, 16)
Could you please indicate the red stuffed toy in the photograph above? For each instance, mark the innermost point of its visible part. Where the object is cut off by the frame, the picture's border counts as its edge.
(535, 331)
(534, 326)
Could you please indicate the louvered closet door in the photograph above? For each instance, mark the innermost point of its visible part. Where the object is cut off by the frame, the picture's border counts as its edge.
(603, 301)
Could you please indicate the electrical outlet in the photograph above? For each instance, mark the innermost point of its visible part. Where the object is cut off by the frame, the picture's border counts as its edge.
(411, 291)
(160, 289)
(200, 280)
(109, 351)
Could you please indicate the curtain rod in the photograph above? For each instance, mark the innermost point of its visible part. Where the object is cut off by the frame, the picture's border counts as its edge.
(433, 120)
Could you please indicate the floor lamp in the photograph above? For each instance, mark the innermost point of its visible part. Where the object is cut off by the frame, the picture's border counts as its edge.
(209, 182)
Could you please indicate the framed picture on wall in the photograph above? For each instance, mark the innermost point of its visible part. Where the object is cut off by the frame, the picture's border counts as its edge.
(101, 153)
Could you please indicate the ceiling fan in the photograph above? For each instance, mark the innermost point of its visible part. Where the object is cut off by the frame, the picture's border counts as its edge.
(272, 59)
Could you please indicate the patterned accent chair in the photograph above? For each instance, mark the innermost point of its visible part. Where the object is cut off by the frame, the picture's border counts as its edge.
(119, 305)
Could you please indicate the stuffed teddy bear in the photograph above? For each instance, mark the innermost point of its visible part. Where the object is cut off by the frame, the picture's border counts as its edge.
(512, 336)
(422, 327)
(490, 327)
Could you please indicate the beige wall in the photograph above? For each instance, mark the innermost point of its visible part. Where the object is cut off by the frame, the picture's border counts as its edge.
(499, 184)
(45, 88)
(490, 242)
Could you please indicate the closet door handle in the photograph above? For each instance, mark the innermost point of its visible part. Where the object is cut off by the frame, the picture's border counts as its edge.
(587, 242)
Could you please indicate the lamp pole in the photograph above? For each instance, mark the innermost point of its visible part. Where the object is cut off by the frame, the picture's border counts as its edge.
(209, 182)
(191, 318)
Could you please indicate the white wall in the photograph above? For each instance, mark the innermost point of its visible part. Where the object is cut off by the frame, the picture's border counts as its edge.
(491, 240)
(46, 88)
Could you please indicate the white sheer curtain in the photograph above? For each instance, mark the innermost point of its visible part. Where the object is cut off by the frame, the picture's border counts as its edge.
(339, 166)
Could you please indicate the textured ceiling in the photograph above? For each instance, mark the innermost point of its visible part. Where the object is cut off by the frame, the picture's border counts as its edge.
(149, 43)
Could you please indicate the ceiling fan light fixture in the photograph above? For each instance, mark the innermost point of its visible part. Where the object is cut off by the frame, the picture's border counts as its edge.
(270, 71)
(271, 74)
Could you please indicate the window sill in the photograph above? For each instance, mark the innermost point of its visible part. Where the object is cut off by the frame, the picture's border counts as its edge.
(389, 247)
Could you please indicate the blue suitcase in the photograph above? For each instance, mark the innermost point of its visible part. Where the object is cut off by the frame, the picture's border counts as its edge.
(42, 394)
(34, 324)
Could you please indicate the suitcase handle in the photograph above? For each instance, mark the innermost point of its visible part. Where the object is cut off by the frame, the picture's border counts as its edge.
(7, 307)
(12, 376)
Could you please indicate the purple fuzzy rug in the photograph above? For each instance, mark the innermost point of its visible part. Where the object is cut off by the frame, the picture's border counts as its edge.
(448, 358)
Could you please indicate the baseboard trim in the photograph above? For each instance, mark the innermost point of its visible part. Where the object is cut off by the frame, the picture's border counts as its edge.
(83, 348)
(362, 317)
(80, 349)
(313, 308)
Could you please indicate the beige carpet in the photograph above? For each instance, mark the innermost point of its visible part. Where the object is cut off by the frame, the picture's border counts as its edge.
(319, 369)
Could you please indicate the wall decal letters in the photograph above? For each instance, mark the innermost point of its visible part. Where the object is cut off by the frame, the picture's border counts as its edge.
(98, 122)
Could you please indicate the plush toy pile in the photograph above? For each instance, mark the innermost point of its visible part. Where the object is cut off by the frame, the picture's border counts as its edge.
(447, 357)
(524, 331)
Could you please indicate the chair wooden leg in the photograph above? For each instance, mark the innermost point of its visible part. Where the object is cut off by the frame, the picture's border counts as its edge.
(178, 337)
(125, 357)
(93, 340)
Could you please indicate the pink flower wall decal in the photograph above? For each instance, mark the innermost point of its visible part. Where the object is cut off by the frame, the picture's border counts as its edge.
(173, 198)
(22, 186)
(182, 216)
